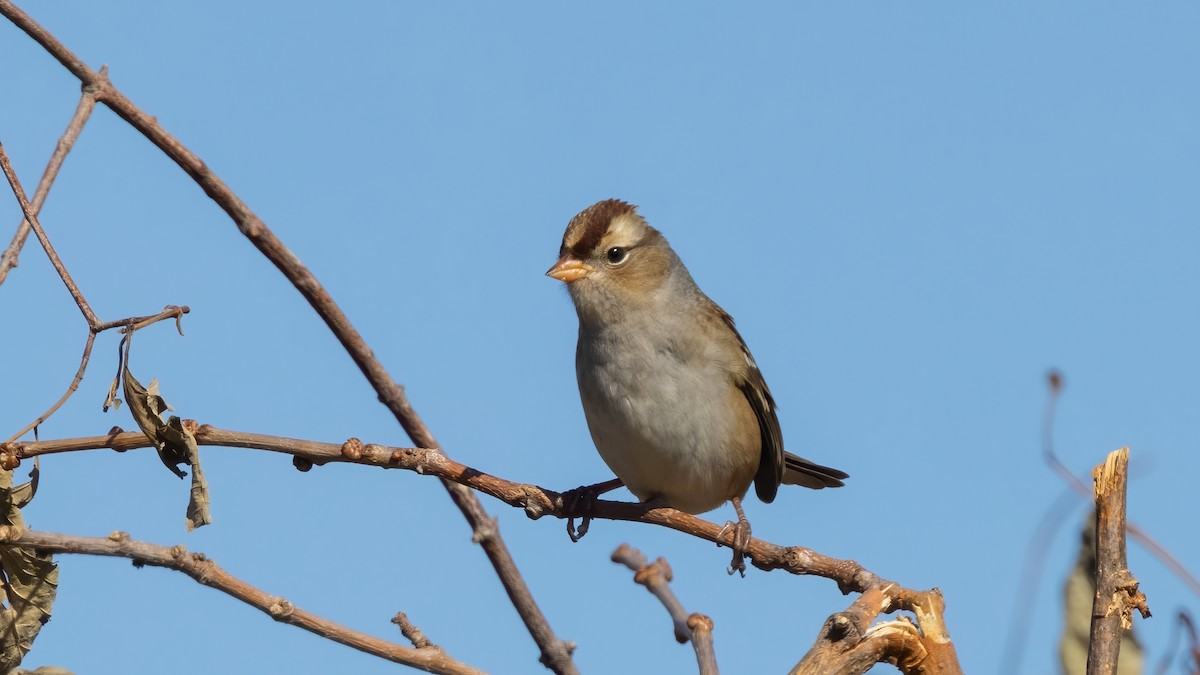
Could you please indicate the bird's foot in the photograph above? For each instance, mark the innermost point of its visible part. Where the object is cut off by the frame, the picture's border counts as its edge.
(739, 539)
(581, 502)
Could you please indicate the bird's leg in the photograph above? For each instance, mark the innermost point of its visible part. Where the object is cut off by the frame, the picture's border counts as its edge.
(581, 501)
(740, 541)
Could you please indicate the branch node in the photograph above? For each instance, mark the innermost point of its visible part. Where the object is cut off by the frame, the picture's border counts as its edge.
(281, 609)
(374, 452)
(534, 507)
(352, 449)
(411, 632)
(178, 551)
(697, 621)
(119, 537)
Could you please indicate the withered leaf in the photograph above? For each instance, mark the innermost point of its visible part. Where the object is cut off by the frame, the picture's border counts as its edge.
(197, 512)
(25, 492)
(147, 407)
(31, 586)
(175, 444)
(111, 402)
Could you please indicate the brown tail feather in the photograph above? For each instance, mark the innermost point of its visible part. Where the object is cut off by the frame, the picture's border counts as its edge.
(800, 471)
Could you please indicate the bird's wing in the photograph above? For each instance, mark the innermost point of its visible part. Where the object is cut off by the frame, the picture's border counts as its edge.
(750, 381)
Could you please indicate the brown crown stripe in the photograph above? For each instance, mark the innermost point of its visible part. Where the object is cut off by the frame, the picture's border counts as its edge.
(587, 229)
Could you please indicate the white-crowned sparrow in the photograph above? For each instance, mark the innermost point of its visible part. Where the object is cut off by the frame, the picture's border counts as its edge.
(675, 403)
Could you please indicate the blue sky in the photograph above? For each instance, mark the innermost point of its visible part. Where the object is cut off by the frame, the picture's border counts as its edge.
(912, 210)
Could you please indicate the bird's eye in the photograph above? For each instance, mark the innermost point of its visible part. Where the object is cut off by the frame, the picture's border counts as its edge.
(616, 255)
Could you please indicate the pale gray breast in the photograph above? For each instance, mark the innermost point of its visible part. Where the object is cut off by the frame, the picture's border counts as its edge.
(656, 407)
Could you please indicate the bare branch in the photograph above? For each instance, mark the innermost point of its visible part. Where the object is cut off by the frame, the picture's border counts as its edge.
(850, 576)
(133, 323)
(208, 573)
(1117, 593)
(31, 216)
(555, 653)
(87, 103)
(656, 577)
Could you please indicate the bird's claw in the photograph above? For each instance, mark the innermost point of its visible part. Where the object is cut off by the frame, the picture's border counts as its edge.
(579, 503)
(739, 541)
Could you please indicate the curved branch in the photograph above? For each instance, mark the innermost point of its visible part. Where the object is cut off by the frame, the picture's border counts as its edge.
(850, 576)
(71, 388)
(208, 573)
(555, 653)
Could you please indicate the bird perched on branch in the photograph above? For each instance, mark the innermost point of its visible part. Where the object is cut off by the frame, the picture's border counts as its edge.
(675, 403)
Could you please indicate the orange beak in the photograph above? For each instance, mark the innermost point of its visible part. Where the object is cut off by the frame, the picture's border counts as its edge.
(569, 269)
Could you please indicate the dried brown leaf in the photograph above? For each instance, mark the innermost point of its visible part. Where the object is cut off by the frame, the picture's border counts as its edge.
(147, 407)
(197, 512)
(25, 492)
(111, 402)
(175, 444)
(31, 584)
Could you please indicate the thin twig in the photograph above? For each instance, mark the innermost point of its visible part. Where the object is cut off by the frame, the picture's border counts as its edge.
(555, 653)
(71, 389)
(208, 573)
(1054, 380)
(1030, 579)
(656, 577)
(1190, 661)
(1117, 593)
(139, 322)
(31, 216)
(87, 103)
